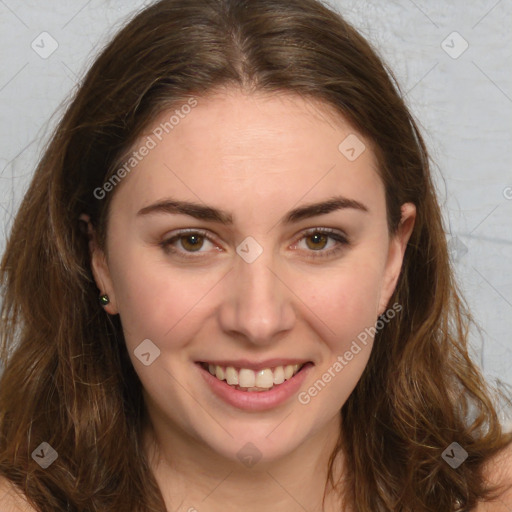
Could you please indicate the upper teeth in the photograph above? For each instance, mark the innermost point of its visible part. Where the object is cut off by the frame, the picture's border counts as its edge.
(247, 378)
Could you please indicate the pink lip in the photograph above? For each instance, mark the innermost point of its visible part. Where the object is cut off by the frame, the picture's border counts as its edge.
(255, 400)
(255, 365)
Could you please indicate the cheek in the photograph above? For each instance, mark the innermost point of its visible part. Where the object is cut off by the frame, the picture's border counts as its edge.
(345, 299)
(346, 303)
(155, 300)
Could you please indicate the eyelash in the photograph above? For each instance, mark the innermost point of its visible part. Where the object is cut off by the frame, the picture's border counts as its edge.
(167, 245)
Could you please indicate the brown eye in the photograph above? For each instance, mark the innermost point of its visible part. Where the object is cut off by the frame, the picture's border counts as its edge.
(322, 242)
(192, 242)
(318, 240)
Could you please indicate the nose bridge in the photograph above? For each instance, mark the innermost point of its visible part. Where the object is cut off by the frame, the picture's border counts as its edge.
(258, 303)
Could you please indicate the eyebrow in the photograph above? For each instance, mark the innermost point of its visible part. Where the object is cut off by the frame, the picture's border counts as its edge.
(209, 213)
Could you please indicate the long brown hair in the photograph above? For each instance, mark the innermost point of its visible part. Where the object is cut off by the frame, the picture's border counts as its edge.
(68, 379)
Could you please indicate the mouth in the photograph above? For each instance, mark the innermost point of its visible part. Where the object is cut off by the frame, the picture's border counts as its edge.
(254, 380)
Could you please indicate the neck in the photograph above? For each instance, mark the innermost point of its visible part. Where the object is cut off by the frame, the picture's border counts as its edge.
(193, 478)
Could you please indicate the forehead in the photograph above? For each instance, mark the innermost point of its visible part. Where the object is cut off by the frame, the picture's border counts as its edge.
(248, 150)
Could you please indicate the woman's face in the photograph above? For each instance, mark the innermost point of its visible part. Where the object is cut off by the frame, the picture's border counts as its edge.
(254, 284)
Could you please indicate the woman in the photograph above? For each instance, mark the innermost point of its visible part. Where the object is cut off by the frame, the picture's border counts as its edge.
(230, 274)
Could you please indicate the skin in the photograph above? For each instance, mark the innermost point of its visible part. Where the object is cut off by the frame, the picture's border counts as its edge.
(256, 156)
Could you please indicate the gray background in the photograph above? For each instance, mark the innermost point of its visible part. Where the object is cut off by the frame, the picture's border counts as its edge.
(461, 96)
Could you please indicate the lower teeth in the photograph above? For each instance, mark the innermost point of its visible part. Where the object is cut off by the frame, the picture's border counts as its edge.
(251, 389)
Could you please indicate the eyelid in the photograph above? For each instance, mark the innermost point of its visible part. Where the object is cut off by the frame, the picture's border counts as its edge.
(327, 231)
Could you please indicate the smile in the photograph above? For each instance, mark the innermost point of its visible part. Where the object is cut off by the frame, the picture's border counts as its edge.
(254, 387)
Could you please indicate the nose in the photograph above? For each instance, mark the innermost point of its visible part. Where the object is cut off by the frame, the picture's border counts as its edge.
(258, 304)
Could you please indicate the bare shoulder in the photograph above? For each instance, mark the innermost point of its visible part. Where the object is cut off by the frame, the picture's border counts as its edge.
(498, 471)
(11, 499)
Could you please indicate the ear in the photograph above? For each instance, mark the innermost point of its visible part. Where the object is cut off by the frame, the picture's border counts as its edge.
(397, 246)
(99, 266)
